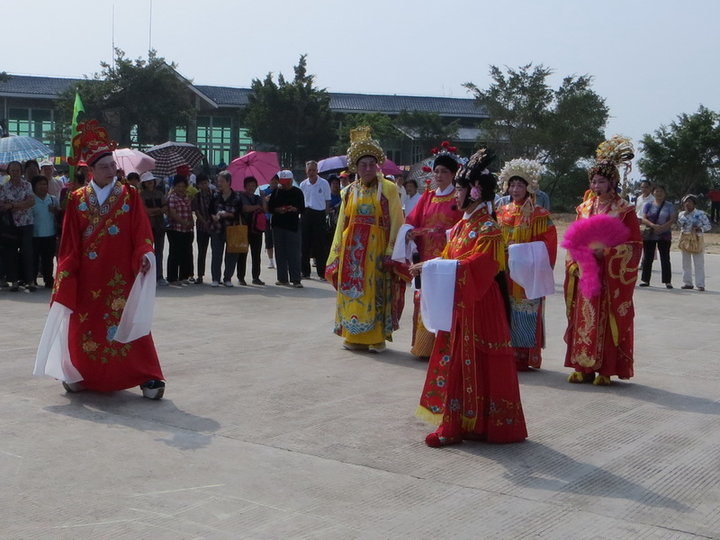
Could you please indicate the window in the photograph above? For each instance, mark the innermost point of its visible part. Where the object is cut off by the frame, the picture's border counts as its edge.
(19, 122)
(214, 138)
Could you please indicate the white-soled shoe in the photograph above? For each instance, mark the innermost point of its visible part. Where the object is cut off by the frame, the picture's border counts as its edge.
(153, 389)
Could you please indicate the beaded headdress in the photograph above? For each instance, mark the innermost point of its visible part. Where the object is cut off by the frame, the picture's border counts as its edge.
(529, 170)
(361, 145)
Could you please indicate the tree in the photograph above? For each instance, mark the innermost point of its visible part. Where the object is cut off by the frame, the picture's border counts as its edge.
(382, 126)
(684, 156)
(560, 128)
(429, 129)
(146, 95)
(291, 117)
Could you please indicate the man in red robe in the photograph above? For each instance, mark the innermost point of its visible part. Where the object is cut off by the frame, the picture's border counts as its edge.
(97, 336)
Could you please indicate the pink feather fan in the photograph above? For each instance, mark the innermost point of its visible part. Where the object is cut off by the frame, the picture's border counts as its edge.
(583, 237)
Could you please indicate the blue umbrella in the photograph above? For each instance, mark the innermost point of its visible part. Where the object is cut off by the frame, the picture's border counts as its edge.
(21, 148)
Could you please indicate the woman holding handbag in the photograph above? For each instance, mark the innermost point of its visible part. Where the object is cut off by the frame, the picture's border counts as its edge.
(658, 218)
(693, 223)
(252, 210)
(225, 209)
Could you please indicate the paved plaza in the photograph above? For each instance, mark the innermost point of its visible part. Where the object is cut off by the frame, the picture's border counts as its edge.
(269, 429)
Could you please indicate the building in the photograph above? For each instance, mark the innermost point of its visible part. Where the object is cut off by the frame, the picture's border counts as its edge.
(27, 107)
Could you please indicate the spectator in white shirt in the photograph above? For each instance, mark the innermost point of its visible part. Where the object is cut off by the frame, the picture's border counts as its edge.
(316, 191)
(411, 196)
(645, 197)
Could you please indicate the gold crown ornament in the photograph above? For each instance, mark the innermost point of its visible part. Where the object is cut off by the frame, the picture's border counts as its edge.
(361, 145)
(612, 154)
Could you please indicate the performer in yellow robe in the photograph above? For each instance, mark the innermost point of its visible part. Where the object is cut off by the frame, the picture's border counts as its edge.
(370, 286)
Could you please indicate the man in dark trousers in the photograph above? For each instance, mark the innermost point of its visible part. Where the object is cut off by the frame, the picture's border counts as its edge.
(286, 204)
(316, 191)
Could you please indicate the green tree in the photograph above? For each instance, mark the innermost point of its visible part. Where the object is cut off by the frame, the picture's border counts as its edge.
(292, 118)
(429, 129)
(559, 127)
(383, 130)
(143, 95)
(684, 156)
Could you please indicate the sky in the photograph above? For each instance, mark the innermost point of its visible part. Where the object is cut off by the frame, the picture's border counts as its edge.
(650, 60)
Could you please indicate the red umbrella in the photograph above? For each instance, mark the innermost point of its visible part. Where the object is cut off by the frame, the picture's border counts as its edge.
(261, 165)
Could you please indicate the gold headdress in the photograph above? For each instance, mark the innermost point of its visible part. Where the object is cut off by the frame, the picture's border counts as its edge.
(361, 145)
(612, 154)
(529, 170)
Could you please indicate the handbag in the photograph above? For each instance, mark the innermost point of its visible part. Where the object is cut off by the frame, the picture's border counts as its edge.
(236, 237)
(8, 229)
(691, 242)
(259, 221)
(648, 231)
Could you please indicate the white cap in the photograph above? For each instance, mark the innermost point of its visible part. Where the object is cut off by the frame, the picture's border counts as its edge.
(147, 176)
(46, 163)
(285, 174)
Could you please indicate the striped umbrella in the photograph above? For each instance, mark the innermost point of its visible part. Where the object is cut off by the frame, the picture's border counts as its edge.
(21, 148)
(171, 155)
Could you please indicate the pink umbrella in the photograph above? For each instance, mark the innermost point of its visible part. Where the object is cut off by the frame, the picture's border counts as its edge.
(130, 160)
(261, 165)
(389, 167)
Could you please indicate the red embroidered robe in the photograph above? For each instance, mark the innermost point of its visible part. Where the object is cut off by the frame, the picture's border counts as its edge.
(432, 216)
(471, 385)
(600, 333)
(100, 254)
(521, 223)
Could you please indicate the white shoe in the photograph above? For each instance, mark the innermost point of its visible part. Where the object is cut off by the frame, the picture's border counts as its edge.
(228, 283)
(377, 348)
(162, 282)
(215, 284)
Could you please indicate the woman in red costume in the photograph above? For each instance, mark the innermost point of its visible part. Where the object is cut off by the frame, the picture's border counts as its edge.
(600, 332)
(522, 221)
(471, 390)
(97, 335)
(427, 225)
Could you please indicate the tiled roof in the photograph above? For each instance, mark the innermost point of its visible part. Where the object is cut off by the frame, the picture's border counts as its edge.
(356, 103)
(224, 96)
(24, 85)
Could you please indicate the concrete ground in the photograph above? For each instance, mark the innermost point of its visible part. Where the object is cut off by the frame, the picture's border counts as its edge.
(270, 430)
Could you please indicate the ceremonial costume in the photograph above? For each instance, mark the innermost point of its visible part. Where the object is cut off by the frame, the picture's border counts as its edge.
(97, 332)
(433, 216)
(471, 389)
(600, 273)
(523, 222)
(370, 286)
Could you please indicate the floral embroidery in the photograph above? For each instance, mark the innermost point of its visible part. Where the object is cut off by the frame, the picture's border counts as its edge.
(125, 207)
(92, 255)
(88, 345)
(117, 304)
(113, 230)
(83, 206)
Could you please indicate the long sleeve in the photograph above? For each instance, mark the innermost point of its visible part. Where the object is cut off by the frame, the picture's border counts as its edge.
(396, 214)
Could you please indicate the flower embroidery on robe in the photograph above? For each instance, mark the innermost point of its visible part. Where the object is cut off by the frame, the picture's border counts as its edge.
(113, 230)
